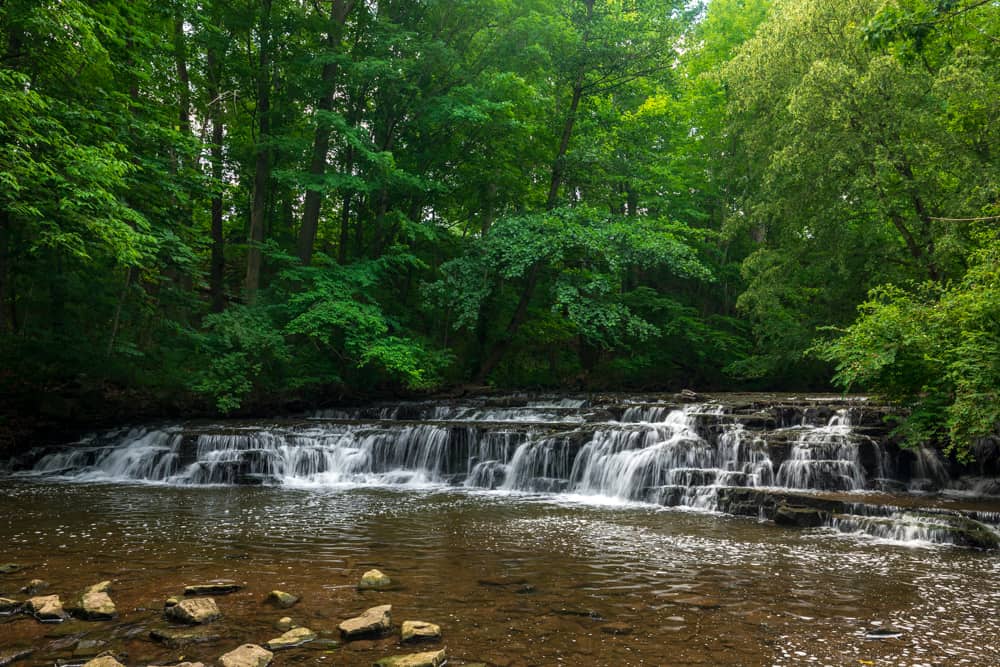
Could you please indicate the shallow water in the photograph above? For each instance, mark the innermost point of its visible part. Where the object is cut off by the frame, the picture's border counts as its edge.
(512, 579)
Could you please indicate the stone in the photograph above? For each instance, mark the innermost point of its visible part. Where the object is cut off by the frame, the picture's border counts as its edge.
(374, 621)
(427, 659)
(183, 664)
(248, 655)
(9, 606)
(219, 587)
(171, 601)
(420, 630)
(800, 517)
(10, 568)
(181, 637)
(374, 580)
(616, 628)
(103, 661)
(291, 639)
(284, 624)
(87, 648)
(94, 603)
(46, 608)
(11, 656)
(35, 586)
(281, 599)
(194, 611)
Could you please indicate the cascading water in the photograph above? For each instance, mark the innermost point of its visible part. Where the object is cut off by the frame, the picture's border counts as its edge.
(713, 456)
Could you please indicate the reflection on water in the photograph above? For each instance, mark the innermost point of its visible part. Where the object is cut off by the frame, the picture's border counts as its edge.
(512, 579)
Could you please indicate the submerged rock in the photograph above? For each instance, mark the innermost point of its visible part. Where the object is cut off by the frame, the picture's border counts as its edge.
(10, 568)
(194, 611)
(419, 630)
(248, 655)
(86, 648)
(427, 659)
(94, 603)
(374, 580)
(374, 621)
(180, 637)
(9, 606)
(800, 517)
(291, 639)
(46, 608)
(220, 587)
(284, 624)
(281, 599)
(617, 628)
(35, 586)
(11, 656)
(103, 661)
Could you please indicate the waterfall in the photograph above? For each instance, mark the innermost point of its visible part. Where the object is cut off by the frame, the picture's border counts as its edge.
(653, 451)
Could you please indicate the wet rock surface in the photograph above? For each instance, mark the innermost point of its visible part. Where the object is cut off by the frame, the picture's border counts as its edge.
(247, 655)
(425, 659)
(281, 599)
(292, 638)
(46, 608)
(414, 631)
(374, 621)
(374, 580)
(193, 611)
(179, 637)
(94, 603)
(220, 587)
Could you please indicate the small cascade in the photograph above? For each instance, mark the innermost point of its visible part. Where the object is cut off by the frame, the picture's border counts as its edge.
(824, 458)
(743, 456)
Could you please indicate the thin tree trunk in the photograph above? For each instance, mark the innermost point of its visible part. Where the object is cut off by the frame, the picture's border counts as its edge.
(180, 55)
(262, 166)
(345, 229)
(321, 142)
(4, 268)
(118, 310)
(218, 261)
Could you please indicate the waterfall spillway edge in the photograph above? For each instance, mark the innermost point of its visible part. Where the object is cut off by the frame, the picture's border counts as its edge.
(742, 458)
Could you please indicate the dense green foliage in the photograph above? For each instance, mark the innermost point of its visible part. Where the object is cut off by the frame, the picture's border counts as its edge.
(240, 204)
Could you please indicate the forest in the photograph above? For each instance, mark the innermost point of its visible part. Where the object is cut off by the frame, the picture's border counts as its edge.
(229, 206)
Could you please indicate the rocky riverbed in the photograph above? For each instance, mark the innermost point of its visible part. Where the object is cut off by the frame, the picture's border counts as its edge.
(491, 578)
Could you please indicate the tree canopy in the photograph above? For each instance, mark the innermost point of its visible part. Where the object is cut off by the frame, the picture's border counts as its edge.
(237, 206)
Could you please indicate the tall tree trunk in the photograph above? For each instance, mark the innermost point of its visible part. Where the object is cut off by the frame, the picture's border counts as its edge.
(218, 261)
(4, 268)
(262, 166)
(321, 142)
(180, 56)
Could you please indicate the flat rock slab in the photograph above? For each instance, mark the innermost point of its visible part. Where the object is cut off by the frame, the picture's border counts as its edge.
(103, 661)
(10, 568)
(221, 587)
(281, 599)
(374, 621)
(46, 608)
(414, 631)
(374, 580)
(248, 655)
(291, 639)
(427, 659)
(9, 606)
(194, 611)
(181, 637)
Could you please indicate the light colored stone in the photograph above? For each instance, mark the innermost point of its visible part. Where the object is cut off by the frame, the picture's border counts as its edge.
(292, 638)
(248, 655)
(418, 630)
(374, 580)
(94, 603)
(427, 659)
(171, 601)
(46, 608)
(103, 661)
(218, 587)
(284, 624)
(281, 599)
(374, 621)
(194, 611)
